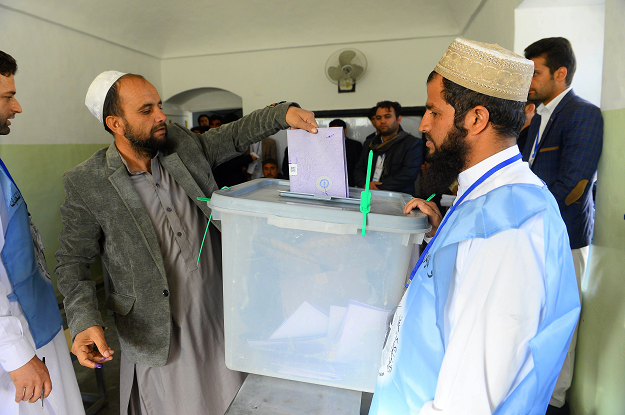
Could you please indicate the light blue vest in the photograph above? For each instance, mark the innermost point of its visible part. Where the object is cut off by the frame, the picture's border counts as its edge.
(414, 352)
(31, 289)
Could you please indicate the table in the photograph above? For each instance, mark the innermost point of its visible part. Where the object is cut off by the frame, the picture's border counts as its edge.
(264, 395)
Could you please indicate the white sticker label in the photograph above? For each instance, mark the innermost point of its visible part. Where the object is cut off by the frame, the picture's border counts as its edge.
(292, 169)
(324, 183)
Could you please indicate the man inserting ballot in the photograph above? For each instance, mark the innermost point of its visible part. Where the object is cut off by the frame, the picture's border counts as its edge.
(492, 303)
(135, 204)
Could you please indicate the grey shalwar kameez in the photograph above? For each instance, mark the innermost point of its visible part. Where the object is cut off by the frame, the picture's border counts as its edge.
(195, 379)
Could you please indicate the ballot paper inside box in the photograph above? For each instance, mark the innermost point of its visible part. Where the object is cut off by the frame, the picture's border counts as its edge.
(317, 162)
(306, 297)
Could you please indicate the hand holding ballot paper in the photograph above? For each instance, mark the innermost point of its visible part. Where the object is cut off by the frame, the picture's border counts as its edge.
(317, 162)
(298, 117)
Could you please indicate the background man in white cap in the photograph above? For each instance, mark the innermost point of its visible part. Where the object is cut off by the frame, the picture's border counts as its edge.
(487, 318)
(30, 321)
(135, 204)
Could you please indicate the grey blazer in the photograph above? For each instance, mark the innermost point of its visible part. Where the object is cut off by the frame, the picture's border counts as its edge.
(103, 215)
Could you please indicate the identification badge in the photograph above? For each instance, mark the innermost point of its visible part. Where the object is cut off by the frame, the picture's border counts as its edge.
(392, 338)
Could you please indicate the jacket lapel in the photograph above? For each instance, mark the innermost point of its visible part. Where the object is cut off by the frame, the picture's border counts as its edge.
(559, 108)
(174, 165)
(130, 198)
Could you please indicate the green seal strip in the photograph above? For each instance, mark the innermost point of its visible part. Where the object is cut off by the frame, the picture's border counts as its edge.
(365, 196)
(205, 199)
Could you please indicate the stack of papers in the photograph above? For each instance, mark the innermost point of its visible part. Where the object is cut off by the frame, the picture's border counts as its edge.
(347, 333)
(307, 322)
(317, 162)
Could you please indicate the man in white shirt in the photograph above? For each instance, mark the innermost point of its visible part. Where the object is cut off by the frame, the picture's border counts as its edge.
(563, 149)
(487, 318)
(33, 353)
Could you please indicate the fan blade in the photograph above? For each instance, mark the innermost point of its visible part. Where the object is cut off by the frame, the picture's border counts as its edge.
(346, 57)
(334, 73)
(357, 72)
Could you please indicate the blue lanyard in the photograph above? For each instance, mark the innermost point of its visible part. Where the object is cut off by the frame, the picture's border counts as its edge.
(6, 171)
(535, 149)
(455, 205)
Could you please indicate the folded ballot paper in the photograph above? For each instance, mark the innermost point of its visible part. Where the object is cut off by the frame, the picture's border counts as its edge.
(349, 331)
(317, 163)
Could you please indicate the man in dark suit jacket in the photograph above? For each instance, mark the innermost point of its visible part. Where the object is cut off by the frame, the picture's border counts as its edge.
(563, 149)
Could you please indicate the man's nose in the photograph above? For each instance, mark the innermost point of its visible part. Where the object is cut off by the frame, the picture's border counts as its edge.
(160, 116)
(17, 108)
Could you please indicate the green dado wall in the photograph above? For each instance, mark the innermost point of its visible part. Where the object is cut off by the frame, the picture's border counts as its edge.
(38, 170)
(599, 379)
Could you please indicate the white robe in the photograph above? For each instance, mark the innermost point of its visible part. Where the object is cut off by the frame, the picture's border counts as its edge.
(476, 344)
(17, 348)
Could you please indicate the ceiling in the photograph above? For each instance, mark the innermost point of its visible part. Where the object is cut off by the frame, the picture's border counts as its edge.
(166, 29)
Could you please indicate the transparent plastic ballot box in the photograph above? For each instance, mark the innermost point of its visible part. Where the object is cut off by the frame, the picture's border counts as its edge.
(306, 296)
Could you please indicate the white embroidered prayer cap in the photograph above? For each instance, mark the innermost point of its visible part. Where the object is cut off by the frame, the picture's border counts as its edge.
(487, 68)
(98, 90)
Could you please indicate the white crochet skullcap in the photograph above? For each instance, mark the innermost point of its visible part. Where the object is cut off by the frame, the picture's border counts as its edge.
(98, 90)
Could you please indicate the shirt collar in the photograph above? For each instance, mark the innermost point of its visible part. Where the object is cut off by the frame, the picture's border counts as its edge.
(549, 108)
(471, 175)
(154, 160)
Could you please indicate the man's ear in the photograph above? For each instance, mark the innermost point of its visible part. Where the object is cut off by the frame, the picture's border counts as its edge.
(530, 109)
(399, 119)
(560, 74)
(115, 124)
(477, 120)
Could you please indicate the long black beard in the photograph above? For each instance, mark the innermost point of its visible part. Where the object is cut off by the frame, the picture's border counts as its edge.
(445, 163)
(145, 146)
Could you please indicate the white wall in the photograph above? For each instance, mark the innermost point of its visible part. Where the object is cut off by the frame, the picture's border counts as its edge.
(56, 67)
(397, 71)
(215, 99)
(582, 25)
(494, 23)
(206, 99)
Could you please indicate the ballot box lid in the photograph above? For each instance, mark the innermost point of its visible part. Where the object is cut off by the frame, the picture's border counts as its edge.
(271, 198)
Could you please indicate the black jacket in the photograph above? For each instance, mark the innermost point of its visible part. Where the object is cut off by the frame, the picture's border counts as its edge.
(353, 149)
(402, 164)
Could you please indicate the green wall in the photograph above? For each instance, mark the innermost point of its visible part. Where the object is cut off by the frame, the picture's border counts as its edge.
(599, 379)
(37, 170)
